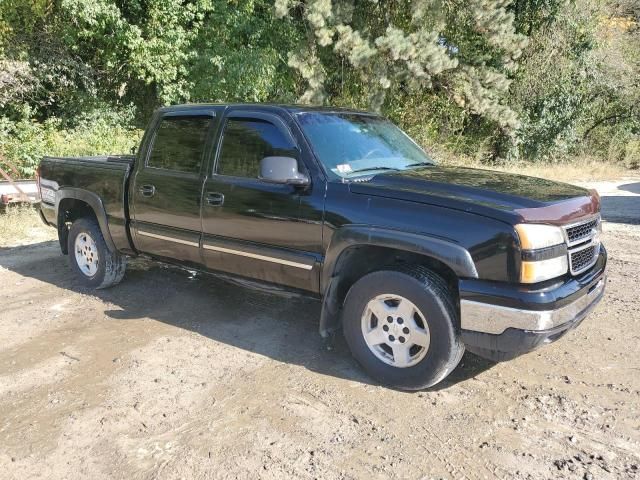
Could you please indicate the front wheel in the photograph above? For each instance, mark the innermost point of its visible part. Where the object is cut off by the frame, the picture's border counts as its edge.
(90, 257)
(400, 326)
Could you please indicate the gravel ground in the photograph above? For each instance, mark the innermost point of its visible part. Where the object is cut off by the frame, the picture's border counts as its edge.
(172, 375)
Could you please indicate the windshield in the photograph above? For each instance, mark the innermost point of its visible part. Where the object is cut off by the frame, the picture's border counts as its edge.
(351, 144)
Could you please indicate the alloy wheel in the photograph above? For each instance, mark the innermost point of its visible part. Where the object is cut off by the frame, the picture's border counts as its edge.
(395, 330)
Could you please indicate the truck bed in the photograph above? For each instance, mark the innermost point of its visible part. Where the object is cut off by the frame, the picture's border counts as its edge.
(105, 177)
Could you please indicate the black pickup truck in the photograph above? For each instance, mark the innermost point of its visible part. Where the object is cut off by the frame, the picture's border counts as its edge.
(413, 261)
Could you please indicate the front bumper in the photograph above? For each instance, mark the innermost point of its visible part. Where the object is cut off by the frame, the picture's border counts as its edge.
(501, 322)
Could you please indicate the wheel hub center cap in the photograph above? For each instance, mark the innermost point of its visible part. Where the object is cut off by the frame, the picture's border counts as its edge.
(397, 329)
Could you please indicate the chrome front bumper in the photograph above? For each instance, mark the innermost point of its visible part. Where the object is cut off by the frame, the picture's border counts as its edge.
(495, 319)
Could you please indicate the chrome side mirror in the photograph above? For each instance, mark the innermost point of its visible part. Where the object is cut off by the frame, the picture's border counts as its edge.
(283, 170)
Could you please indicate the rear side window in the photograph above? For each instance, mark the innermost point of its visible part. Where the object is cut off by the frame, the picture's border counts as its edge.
(246, 141)
(179, 144)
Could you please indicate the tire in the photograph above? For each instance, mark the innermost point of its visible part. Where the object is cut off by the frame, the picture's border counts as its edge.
(402, 360)
(90, 258)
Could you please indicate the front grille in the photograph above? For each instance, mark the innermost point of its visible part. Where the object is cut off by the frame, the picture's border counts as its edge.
(582, 231)
(582, 259)
(583, 243)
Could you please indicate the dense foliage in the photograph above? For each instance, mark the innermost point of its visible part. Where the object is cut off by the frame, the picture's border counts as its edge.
(490, 80)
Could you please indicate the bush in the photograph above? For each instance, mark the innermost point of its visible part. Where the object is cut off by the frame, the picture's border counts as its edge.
(632, 154)
(24, 142)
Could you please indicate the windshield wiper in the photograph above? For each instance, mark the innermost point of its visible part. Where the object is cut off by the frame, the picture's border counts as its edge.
(372, 168)
(420, 164)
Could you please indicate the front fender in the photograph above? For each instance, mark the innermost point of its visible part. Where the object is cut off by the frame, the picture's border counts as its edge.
(453, 255)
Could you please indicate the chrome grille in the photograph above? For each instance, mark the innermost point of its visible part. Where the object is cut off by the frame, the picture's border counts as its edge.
(584, 244)
(582, 259)
(581, 231)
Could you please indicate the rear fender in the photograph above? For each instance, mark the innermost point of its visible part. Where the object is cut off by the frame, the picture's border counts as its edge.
(94, 202)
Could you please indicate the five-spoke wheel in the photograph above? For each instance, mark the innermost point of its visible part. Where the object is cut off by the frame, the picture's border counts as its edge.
(395, 330)
(402, 326)
(86, 252)
(95, 263)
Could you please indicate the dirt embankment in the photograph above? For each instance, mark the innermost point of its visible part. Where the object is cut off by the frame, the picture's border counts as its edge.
(174, 376)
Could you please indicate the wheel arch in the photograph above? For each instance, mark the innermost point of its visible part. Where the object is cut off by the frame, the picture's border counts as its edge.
(73, 203)
(356, 251)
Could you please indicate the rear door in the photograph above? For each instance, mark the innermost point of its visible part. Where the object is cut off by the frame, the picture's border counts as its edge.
(167, 187)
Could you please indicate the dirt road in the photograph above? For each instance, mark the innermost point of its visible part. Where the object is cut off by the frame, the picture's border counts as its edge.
(171, 375)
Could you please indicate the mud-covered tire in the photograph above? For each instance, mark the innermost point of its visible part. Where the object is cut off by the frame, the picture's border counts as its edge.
(435, 321)
(109, 267)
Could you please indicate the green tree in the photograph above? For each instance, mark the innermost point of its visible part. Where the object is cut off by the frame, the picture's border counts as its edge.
(579, 74)
(241, 55)
(487, 79)
(463, 52)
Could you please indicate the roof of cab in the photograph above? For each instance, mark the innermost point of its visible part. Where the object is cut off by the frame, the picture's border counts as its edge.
(265, 106)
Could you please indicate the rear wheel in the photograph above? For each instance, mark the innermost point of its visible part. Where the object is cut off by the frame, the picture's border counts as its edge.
(400, 326)
(90, 257)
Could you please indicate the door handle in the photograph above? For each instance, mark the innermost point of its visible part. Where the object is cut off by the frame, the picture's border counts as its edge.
(147, 190)
(215, 199)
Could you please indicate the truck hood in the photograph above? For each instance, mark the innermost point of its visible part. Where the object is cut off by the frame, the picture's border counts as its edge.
(504, 196)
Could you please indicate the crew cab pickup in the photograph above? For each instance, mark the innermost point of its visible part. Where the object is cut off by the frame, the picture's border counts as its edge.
(413, 261)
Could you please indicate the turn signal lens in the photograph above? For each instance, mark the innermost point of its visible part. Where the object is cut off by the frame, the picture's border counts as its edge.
(538, 271)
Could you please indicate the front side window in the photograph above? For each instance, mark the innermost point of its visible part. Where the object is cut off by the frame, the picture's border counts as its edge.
(179, 144)
(246, 141)
(351, 144)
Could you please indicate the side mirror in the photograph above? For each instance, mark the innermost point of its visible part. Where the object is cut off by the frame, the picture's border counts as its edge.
(282, 170)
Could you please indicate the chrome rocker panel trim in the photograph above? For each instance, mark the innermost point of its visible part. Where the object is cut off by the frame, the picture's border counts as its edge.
(495, 319)
(168, 239)
(266, 258)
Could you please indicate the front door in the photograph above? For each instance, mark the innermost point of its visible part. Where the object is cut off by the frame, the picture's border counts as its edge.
(255, 229)
(168, 186)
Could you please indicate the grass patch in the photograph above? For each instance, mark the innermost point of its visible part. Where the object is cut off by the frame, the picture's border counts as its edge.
(21, 225)
(582, 169)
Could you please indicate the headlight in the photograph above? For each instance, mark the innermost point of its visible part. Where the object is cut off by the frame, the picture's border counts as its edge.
(533, 236)
(544, 252)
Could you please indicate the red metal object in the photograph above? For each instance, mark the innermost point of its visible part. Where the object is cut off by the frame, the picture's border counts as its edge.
(16, 191)
(22, 194)
(38, 181)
